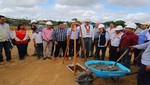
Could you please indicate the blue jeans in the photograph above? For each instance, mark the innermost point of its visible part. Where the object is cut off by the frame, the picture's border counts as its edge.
(21, 50)
(97, 56)
(6, 46)
(87, 45)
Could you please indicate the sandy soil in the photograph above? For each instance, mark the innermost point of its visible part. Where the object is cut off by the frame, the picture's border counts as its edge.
(47, 72)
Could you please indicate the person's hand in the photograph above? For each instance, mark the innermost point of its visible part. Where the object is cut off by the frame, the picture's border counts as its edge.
(21, 40)
(147, 68)
(105, 45)
(35, 45)
(55, 42)
(92, 41)
(118, 49)
(130, 54)
(131, 47)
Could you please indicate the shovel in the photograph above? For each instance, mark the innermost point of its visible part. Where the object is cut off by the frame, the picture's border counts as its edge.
(119, 59)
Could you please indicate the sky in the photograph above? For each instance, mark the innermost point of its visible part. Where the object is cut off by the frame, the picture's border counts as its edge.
(65, 10)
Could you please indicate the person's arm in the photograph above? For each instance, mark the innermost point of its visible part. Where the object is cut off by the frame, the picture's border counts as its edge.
(33, 36)
(92, 33)
(9, 32)
(26, 36)
(107, 39)
(16, 38)
(142, 46)
(134, 42)
(44, 35)
(54, 37)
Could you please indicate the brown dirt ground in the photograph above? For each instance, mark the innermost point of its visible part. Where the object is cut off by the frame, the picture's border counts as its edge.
(47, 72)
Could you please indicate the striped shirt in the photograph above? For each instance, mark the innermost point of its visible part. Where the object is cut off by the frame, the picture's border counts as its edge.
(60, 34)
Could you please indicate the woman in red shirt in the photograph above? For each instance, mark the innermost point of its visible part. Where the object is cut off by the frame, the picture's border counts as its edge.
(21, 39)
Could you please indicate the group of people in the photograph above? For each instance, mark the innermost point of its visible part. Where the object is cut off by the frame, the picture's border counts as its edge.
(117, 38)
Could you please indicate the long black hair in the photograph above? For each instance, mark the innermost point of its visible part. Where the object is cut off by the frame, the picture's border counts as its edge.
(18, 28)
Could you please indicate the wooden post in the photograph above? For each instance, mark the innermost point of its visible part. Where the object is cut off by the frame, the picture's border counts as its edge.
(75, 70)
(67, 46)
(83, 44)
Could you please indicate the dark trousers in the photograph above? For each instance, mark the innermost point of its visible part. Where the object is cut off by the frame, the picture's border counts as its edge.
(93, 45)
(143, 77)
(61, 44)
(126, 60)
(6, 46)
(113, 54)
(52, 48)
(26, 49)
(39, 49)
(97, 55)
(21, 50)
(71, 47)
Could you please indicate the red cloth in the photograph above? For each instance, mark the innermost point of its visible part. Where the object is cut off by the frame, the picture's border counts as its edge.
(21, 35)
(128, 39)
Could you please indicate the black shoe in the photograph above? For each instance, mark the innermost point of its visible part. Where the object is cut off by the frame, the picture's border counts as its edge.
(60, 56)
(33, 54)
(44, 58)
(38, 58)
(49, 58)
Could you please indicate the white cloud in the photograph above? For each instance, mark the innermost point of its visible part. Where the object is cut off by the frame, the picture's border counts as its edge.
(78, 2)
(130, 3)
(68, 9)
(21, 3)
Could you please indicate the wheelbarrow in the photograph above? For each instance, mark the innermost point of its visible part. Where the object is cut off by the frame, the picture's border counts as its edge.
(114, 75)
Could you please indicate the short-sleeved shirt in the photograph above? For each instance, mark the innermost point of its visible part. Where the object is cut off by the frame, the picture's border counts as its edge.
(72, 34)
(37, 37)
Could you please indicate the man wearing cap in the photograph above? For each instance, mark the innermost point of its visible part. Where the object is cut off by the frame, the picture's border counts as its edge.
(47, 39)
(88, 36)
(114, 41)
(141, 39)
(129, 38)
(142, 36)
(148, 35)
(5, 37)
(59, 38)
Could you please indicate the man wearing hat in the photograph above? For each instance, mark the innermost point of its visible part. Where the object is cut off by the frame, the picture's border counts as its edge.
(114, 41)
(47, 40)
(88, 36)
(142, 38)
(148, 35)
(129, 38)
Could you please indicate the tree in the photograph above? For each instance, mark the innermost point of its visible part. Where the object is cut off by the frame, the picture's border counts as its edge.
(75, 19)
(120, 22)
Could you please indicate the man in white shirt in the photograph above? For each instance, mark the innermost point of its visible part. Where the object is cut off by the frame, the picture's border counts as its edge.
(96, 34)
(88, 36)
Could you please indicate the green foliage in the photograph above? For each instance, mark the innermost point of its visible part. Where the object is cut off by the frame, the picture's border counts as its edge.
(120, 22)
